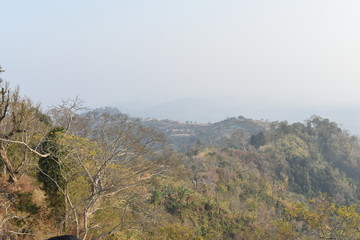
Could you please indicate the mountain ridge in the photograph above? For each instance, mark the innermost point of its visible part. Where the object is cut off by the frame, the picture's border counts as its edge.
(210, 110)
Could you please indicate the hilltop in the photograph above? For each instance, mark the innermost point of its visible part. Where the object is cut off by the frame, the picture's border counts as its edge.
(184, 135)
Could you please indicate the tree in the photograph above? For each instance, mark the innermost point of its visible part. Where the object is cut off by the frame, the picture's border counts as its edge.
(50, 174)
(102, 162)
(22, 127)
(258, 140)
(67, 113)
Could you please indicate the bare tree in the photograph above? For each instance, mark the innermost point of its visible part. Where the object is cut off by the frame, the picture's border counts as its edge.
(22, 127)
(105, 163)
(66, 114)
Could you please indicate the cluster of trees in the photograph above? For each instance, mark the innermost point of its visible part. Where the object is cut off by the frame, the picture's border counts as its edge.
(71, 172)
(314, 157)
(277, 181)
(231, 132)
(100, 174)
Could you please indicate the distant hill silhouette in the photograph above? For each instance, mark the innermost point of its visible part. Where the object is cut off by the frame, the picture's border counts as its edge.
(217, 109)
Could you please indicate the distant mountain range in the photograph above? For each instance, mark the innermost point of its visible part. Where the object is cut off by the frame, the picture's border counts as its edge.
(217, 109)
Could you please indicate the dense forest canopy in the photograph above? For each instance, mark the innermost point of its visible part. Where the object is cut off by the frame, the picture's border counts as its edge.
(100, 174)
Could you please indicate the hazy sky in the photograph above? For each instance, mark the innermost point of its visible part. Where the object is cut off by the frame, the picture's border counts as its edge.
(113, 51)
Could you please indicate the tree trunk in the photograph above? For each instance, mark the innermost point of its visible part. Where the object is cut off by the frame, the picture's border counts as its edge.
(4, 171)
(7, 164)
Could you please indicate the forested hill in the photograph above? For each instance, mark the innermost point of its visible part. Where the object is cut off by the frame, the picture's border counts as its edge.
(184, 135)
(311, 158)
(101, 174)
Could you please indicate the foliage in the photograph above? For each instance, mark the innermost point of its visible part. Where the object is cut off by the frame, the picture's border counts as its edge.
(103, 175)
(326, 220)
(53, 182)
(25, 204)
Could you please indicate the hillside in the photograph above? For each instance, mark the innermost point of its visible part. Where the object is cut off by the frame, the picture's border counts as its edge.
(101, 174)
(184, 135)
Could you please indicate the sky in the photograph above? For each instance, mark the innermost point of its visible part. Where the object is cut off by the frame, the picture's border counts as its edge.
(112, 52)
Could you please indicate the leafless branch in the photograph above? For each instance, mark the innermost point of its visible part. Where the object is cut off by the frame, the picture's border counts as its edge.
(26, 145)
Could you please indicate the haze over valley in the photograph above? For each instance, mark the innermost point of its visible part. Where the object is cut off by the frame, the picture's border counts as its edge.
(204, 110)
(179, 120)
